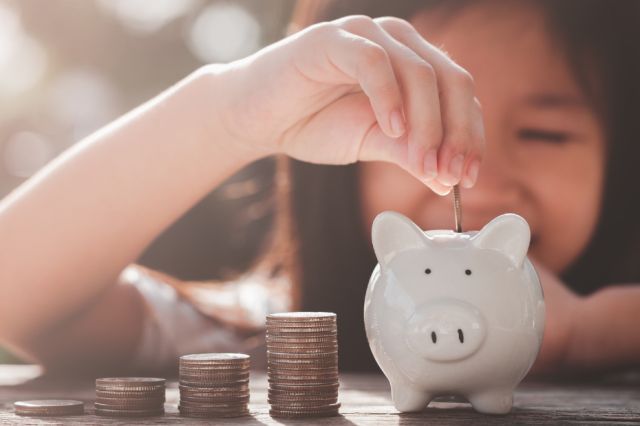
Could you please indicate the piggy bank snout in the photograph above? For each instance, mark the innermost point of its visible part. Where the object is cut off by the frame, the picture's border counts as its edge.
(446, 330)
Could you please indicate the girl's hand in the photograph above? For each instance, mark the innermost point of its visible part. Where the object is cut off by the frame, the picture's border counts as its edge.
(562, 307)
(356, 89)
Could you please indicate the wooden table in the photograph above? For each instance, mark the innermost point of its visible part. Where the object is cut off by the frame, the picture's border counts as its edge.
(365, 401)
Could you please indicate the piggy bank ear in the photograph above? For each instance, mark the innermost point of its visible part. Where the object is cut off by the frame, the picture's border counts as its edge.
(509, 234)
(392, 233)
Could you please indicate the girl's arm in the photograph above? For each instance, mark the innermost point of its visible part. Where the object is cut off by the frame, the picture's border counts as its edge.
(588, 333)
(355, 89)
(605, 332)
(68, 232)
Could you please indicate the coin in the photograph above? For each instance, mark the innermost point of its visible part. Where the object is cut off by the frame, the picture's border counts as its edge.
(159, 393)
(214, 385)
(49, 407)
(306, 391)
(211, 384)
(129, 405)
(220, 358)
(129, 413)
(297, 355)
(190, 412)
(221, 390)
(215, 399)
(131, 402)
(329, 410)
(274, 331)
(457, 208)
(302, 364)
(326, 399)
(130, 382)
(212, 376)
(292, 349)
(282, 317)
(301, 340)
(130, 396)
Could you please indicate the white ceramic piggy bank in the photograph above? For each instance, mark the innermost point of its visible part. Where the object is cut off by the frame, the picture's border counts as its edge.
(453, 314)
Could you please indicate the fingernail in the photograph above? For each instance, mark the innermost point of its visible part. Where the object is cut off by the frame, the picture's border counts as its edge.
(444, 191)
(431, 164)
(455, 171)
(396, 122)
(472, 174)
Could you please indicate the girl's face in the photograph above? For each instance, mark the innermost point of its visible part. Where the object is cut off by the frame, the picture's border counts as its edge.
(545, 147)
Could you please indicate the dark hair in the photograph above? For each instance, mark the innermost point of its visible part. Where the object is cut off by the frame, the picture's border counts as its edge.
(334, 255)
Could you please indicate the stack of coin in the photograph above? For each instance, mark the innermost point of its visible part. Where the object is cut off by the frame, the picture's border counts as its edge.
(49, 407)
(130, 396)
(214, 385)
(302, 362)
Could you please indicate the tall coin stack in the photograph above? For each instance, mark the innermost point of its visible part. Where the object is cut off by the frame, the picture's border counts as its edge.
(214, 385)
(302, 364)
(130, 396)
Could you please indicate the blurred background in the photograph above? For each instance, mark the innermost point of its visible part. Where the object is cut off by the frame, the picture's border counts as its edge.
(70, 66)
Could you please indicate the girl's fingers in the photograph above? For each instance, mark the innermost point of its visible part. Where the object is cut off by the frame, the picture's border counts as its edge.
(463, 141)
(368, 64)
(419, 86)
(472, 168)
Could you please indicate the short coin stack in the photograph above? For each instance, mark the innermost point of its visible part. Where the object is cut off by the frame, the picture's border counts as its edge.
(130, 396)
(214, 385)
(302, 359)
(49, 407)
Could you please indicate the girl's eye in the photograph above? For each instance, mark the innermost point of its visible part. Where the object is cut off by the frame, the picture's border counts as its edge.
(427, 271)
(543, 135)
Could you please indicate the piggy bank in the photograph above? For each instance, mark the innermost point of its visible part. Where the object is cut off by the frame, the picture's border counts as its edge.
(453, 314)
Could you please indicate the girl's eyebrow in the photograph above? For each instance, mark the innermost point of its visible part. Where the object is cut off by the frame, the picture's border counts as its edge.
(555, 100)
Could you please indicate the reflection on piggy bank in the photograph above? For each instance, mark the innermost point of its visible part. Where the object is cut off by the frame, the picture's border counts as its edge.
(453, 314)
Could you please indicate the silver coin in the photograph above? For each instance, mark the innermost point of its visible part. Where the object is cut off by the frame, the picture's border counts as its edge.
(242, 387)
(119, 382)
(457, 208)
(215, 376)
(160, 393)
(49, 407)
(215, 398)
(301, 316)
(129, 413)
(302, 340)
(326, 411)
(211, 367)
(280, 387)
(187, 412)
(310, 392)
(125, 407)
(215, 357)
(327, 399)
(295, 355)
(131, 401)
(301, 330)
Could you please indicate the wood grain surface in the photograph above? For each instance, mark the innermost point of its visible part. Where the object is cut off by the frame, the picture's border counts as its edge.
(365, 401)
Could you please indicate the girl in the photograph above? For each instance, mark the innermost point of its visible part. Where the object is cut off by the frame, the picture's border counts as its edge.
(556, 81)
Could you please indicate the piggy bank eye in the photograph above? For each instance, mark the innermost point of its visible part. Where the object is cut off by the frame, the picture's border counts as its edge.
(467, 271)
(427, 271)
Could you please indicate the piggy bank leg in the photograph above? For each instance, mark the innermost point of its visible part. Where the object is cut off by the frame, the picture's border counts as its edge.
(492, 401)
(407, 399)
